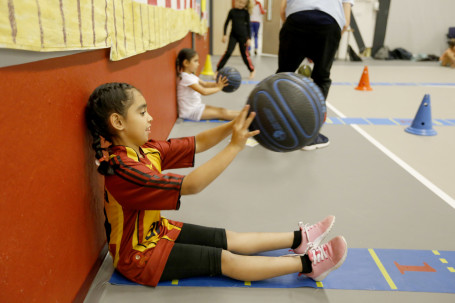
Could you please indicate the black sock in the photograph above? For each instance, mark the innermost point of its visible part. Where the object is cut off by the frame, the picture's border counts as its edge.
(306, 264)
(297, 239)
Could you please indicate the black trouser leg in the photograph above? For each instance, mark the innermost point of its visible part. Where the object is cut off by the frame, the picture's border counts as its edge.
(291, 51)
(231, 46)
(316, 42)
(245, 54)
(323, 55)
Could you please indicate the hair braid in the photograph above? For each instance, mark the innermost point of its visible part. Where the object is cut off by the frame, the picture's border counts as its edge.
(106, 99)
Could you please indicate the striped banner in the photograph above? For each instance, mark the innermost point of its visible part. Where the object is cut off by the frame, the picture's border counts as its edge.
(127, 27)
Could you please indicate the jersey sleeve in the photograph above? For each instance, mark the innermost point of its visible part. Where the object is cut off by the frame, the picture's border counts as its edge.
(188, 79)
(135, 186)
(175, 153)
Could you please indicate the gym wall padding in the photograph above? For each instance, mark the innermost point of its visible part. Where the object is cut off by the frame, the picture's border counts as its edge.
(51, 216)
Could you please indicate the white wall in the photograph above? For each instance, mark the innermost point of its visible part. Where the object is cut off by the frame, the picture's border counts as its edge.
(364, 12)
(420, 26)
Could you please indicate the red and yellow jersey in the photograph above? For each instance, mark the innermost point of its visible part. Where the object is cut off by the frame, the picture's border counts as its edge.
(140, 240)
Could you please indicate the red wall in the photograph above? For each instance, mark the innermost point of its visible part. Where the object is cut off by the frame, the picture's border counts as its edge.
(51, 216)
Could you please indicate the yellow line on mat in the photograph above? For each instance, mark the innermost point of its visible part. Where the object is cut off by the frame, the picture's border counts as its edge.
(436, 252)
(247, 283)
(382, 269)
(451, 269)
(443, 260)
(175, 282)
(319, 284)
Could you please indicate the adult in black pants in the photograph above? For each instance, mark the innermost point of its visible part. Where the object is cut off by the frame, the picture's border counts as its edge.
(240, 33)
(312, 29)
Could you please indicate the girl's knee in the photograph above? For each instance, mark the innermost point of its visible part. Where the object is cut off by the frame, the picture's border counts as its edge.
(227, 258)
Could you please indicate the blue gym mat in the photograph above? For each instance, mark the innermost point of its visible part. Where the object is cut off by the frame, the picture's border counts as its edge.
(364, 269)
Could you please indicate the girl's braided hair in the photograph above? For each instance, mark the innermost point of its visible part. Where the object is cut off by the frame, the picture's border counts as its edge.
(106, 99)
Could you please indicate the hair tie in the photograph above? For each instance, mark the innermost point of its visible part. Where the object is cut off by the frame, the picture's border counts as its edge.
(104, 158)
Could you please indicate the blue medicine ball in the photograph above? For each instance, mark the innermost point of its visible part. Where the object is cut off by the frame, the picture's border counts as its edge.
(233, 77)
(290, 110)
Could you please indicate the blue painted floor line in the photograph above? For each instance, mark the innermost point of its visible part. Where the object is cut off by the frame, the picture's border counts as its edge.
(442, 84)
(363, 121)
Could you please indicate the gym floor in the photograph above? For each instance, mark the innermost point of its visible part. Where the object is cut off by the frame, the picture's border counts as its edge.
(387, 188)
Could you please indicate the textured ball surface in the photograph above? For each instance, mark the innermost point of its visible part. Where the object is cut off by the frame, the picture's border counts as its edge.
(233, 76)
(290, 110)
(305, 70)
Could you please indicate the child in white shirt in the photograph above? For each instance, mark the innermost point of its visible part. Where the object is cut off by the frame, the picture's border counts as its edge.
(190, 88)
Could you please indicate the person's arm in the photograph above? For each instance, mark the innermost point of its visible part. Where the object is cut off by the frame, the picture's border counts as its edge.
(248, 26)
(283, 10)
(207, 84)
(261, 8)
(205, 174)
(347, 15)
(209, 138)
(229, 17)
(204, 89)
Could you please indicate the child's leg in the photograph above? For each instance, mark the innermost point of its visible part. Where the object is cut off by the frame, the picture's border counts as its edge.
(299, 241)
(212, 112)
(231, 46)
(251, 243)
(186, 260)
(210, 257)
(245, 55)
(291, 49)
(317, 264)
(255, 33)
(254, 268)
(322, 52)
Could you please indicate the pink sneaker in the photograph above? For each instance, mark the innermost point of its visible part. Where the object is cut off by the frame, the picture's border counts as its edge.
(327, 258)
(313, 235)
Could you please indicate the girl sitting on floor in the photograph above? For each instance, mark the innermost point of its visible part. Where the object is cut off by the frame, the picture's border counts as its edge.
(146, 247)
(190, 88)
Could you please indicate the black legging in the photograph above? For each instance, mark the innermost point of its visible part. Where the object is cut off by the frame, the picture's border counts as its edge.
(196, 252)
(233, 40)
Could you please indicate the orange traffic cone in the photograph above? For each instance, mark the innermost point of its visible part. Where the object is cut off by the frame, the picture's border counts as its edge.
(364, 83)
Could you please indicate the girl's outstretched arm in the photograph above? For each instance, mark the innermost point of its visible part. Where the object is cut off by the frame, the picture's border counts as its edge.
(204, 89)
(202, 176)
(213, 136)
(207, 84)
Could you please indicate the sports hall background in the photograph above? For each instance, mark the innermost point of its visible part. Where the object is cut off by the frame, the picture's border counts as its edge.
(51, 218)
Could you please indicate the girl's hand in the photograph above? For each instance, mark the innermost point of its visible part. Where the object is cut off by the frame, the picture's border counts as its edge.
(240, 131)
(222, 82)
(224, 39)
